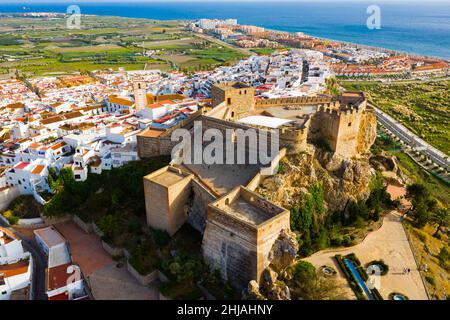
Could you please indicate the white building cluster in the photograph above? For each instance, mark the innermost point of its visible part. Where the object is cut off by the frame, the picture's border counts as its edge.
(282, 74)
(209, 24)
(90, 122)
(80, 122)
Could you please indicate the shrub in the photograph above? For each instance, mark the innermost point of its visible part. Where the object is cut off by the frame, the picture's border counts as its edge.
(443, 257)
(347, 241)
(12, 219)
(382, 264)
(431, 280)
(108, 225)
(161, 238)
(180, 290)
(134, 226)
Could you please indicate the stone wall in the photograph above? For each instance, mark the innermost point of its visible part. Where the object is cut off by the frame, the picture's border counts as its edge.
(230, 246)
(162, 146)
(294, 101)
(7, 196)
(238, 98)
(198, 206)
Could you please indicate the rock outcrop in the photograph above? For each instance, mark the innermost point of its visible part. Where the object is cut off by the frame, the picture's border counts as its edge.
(342, 179)
(284, 251)
(367, 131)
(281, 256)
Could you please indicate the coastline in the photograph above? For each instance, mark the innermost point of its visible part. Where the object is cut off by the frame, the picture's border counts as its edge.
(433, 55)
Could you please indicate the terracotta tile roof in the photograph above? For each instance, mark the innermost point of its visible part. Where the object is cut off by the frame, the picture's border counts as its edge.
(58, 145)
(38, 169)
(10, 270)
(152, 133)
(18, 105)
(57, 277)
(120, 101)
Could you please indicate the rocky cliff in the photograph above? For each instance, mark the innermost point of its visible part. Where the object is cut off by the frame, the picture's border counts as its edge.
(367, 131)
(342, 179)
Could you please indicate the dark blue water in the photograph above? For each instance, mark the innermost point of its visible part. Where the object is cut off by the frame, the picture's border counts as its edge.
(416, 27)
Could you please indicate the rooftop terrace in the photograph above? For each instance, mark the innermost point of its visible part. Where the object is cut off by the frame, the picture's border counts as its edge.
(248, 206)
(167, 176)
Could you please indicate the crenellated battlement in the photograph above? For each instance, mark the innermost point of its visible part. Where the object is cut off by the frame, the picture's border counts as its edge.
(292, 101)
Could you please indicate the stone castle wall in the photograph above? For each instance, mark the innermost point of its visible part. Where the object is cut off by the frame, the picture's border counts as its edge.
(293, 101)
(229, 245)
(198, 206)
(239, 249)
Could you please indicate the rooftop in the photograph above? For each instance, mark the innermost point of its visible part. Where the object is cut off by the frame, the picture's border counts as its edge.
(269, 122)
(14, 269)
(247, 206)
(58, 276)
(50, 236)
(167, 176)
(152, 133)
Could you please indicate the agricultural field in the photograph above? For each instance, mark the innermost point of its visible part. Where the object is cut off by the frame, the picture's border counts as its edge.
(38, 46)
(422, 107)
(194, 53)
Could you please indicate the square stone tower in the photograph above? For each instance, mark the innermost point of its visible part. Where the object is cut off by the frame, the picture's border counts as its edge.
(240, 231)
(238, 97)
(140, 95)
(167, 193)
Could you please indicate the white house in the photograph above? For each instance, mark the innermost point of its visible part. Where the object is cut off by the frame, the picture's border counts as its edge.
(30, 177)
(15, 277)
(16, 267)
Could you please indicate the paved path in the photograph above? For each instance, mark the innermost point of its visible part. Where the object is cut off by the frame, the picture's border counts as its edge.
(390, 244)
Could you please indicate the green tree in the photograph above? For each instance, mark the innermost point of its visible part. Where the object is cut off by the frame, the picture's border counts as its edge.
(305, 283)
(423, 205)
(441, 218)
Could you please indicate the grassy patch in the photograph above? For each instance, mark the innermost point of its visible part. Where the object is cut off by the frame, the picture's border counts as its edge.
(422, 107)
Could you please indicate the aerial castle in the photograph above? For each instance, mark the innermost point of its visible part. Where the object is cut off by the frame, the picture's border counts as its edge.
(240, 228)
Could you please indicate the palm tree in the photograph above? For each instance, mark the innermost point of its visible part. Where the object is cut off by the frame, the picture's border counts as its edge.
(441, 218)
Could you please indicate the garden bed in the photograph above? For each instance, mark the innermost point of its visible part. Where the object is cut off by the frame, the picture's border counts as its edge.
(352, 281)
(25, 209)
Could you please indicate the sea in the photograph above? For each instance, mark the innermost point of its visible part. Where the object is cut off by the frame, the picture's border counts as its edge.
(410, 26)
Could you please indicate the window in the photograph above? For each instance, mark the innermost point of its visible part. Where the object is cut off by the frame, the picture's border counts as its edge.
(4, 292)
(229, 101)
(349, 124)
(77, 176)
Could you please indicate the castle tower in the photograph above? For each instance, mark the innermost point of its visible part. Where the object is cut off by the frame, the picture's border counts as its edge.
(238, 97)
(140, 94)
(167, 192)
(241, 229)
